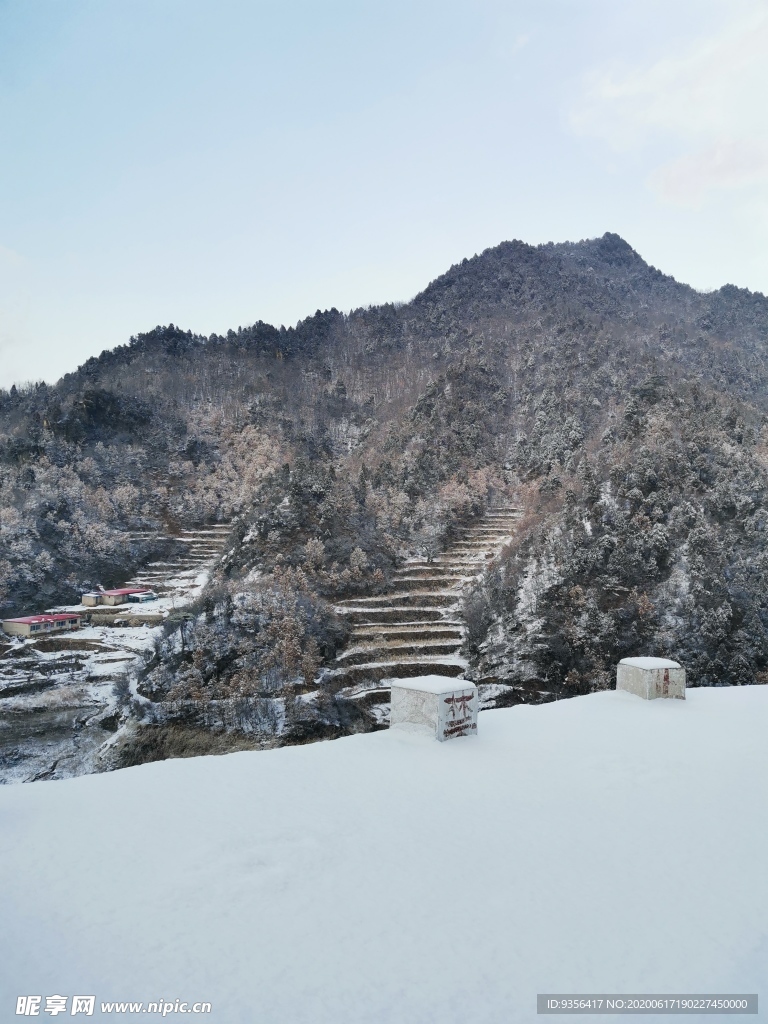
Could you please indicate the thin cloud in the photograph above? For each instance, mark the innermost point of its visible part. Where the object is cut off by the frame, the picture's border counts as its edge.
(11, 258)
(708, 101)
(728, 163)
(520, 42)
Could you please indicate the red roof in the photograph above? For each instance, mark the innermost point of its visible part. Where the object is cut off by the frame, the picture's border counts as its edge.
(59, 617)
(125, 590)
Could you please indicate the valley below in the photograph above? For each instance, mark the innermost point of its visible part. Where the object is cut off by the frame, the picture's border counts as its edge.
(63, 696)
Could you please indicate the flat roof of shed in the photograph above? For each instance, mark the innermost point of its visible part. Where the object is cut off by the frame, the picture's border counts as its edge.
(124, 590)
(432, 684)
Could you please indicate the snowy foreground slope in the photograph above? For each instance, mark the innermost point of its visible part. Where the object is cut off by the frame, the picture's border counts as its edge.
(603, 843)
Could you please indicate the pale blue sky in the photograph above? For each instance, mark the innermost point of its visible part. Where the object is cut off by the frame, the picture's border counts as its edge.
(216, 163)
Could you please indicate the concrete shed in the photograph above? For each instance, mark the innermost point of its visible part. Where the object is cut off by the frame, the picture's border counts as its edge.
(438, 705)
(650, 678)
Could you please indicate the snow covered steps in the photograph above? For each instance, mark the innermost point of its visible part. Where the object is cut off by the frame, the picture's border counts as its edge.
(416, 628)
(203, 547)
(386, 633)
(399, 649)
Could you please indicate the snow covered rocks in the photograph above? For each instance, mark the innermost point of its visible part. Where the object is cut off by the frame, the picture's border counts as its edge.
(651, 677)
(442, 706)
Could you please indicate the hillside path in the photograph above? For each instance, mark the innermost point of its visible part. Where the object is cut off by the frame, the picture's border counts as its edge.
(417, 627)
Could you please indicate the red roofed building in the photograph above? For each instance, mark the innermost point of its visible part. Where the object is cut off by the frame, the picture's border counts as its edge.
(39, 625)
(119, 596)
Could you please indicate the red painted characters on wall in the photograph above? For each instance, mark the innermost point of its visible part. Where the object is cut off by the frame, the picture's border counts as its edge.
(459, 715)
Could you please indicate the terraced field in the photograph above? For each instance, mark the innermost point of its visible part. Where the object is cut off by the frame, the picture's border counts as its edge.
(179, 575)
(417, 628)
(57, 705)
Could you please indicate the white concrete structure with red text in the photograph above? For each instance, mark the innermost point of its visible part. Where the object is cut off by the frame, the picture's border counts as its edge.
(439, 705)
(650, 678)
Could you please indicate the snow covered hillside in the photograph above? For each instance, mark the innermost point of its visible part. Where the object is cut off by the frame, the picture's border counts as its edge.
(59, 703)
(602, 843)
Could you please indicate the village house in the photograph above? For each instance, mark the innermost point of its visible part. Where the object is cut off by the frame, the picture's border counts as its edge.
(120, 596)
(37, 625)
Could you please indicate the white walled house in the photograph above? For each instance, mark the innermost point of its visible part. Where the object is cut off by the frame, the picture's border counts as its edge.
(39, 625)
(122, 595)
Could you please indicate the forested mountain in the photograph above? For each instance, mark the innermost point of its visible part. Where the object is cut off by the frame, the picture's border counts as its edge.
(624, 412)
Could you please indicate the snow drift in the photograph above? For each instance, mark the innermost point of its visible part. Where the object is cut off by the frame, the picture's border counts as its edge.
(603, 843)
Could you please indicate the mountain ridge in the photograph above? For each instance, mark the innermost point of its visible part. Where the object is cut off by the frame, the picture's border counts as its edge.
(625, 412)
